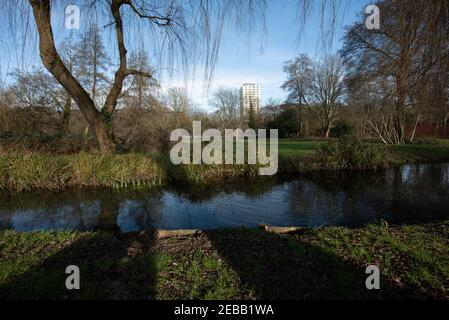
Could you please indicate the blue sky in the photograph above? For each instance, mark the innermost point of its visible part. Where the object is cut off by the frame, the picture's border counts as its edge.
(239, 63)
(259, 60)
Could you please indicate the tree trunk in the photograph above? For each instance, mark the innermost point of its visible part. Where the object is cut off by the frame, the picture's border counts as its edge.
(103, 133)
(327, 131)
(299, 134)
(446, 117)
(399, 112)
(54, 64)
(412, 135)
(66, 114)
(94, 82)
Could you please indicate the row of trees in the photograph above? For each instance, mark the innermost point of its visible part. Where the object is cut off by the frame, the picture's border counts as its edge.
(318, 87)
(34, 103)
(399, 74)
(182, 31)
(383, 82)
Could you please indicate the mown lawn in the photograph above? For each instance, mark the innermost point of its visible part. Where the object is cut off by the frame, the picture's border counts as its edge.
(437, 151)
(242, 263)
(420, 152)
(297, 148)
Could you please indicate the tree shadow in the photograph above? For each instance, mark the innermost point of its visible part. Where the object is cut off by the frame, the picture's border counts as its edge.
(268, 266)
(279, 267)
(112, 266)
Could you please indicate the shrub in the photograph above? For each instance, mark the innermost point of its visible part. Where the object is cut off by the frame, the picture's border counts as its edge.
(340, 130)
(62, 143)
(286, 123)
(351, 154)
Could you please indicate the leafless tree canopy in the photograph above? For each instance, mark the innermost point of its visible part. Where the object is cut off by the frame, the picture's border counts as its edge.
(318, 86)
(403, 67)
(383, 83)
(182, 32)
(227, 102)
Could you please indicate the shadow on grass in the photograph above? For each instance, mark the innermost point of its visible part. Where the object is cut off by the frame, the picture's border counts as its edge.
(111, 267)
(266, 266)
(272, 266)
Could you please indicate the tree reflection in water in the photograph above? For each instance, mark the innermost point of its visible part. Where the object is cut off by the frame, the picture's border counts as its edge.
(409, 194)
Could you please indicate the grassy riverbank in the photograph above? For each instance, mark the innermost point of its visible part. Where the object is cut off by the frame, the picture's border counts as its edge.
(23, 171)
(420, 152)
(229, 264)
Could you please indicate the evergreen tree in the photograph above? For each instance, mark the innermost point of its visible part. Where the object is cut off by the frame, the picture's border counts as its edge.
(252, 117)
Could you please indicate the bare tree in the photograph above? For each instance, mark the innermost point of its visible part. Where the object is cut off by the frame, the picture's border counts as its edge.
(326, 92)
(140, 91)
(271, 109)
(299, 73)
(408, 53)
(227, 102)
(91, 63)
(39, 98)
(183, 31)
(36, 89)
(177, 100)
(179, 103)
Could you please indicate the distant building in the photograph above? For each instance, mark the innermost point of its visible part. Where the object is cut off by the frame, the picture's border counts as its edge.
(249, 96)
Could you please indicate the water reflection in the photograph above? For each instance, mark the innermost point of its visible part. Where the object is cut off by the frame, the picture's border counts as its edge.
(409, 193)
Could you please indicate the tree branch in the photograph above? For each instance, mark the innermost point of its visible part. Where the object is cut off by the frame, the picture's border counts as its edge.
(161, 21)
(133, 72)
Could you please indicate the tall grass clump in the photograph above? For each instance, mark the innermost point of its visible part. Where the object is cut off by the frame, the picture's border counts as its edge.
(204, 173)
(26, 170)
(23, 171)
(351, 154)
(199, 173)
(115, 171)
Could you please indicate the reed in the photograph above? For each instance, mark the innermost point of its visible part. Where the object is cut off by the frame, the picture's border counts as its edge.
(25, 170)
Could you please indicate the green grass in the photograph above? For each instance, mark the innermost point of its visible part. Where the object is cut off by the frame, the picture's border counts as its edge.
(324, 263)
(432, 150)
(420, 152)
(414, 256)
(298, 148)
(24, 171)
(21, 171)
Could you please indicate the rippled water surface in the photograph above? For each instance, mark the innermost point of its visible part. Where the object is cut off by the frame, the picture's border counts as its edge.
(404, 194)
